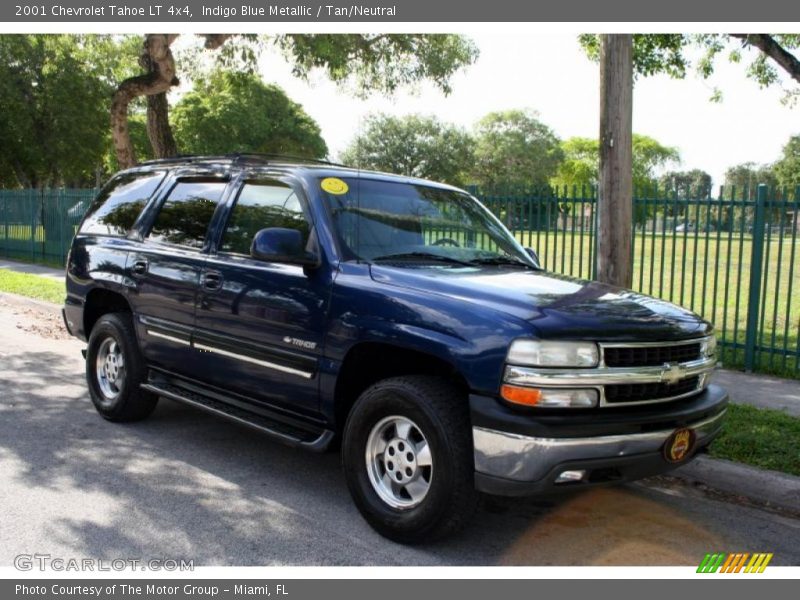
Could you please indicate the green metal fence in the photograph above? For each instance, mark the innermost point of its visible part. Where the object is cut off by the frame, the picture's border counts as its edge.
(38, 225)
(733, 258)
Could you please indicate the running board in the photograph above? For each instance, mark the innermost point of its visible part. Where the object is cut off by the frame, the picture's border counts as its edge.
(317, 441)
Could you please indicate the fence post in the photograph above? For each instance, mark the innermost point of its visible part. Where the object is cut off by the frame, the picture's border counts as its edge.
(4, 196)
(756, 266)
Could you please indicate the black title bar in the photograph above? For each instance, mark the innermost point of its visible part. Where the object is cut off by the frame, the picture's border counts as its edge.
(400, 11)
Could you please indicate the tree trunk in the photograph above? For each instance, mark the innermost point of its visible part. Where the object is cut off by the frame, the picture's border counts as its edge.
(615, 194)
(159, 130)
(157, 58)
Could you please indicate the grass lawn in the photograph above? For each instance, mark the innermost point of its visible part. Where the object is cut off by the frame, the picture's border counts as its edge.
(768, 439)
(32, 286)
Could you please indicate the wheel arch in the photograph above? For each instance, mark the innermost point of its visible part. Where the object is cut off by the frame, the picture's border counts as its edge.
(368, 362)
(101, 301)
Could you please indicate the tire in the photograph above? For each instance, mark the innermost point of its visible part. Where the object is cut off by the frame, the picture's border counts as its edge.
(114, 382)
(383, 453)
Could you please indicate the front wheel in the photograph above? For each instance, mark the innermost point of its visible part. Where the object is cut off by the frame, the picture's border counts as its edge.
(407, 454)
(115, 369)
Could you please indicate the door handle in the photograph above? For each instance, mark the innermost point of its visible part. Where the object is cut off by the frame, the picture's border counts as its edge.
(212, 280)
(139, 267)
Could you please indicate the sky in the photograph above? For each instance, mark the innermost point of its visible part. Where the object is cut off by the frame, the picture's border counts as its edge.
(551, 75)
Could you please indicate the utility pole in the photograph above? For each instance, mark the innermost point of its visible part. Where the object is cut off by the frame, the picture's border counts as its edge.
(615, 189)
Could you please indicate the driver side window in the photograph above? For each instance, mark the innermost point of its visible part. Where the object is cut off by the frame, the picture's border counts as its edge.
(261, 205)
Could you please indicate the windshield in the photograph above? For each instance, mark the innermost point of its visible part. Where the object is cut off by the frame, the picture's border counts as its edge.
(388, 221)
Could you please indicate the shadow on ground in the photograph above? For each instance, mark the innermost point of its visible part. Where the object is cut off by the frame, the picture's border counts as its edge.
(183, 484)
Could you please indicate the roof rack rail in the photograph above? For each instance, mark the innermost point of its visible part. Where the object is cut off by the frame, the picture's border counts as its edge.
(291, 157)
(240, 157)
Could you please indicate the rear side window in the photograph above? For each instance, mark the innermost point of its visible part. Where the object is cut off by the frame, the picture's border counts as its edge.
(116, 208)
(261, 205)
(186, 213)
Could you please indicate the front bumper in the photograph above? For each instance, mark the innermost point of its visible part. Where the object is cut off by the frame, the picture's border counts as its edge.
(614, 446)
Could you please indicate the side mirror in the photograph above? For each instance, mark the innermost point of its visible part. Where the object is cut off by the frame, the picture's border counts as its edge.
(532, 253)
(281, 245)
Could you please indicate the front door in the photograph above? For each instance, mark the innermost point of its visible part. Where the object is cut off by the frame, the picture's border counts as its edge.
(260, 325)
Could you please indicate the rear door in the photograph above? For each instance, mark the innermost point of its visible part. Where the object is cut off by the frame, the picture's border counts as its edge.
(165, 268)
(260, 325)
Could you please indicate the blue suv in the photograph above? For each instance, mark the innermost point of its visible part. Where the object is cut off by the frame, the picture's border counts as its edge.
(394, 318)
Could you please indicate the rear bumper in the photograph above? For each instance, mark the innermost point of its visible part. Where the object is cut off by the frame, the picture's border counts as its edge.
(624, 448)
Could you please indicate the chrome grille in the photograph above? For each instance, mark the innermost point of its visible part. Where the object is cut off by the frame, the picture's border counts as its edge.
(649, 356)
(639, 392)
(631, 373)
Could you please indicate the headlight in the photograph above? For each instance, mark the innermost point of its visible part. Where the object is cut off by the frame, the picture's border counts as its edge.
(709, 346)
(544, 353)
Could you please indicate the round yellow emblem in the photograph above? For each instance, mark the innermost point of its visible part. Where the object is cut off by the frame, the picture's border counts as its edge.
(679, 445)
(334, 185)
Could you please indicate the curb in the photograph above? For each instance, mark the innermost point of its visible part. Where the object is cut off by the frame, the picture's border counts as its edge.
(761, 486)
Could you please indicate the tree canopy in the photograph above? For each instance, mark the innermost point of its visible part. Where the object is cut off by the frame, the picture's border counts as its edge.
(787, 168)
(669, 54)
(743, 179)
(515, 149)
(414, 145)
(237, 112)
(54, 91)
(581, 161)
(369, 62)
(693, 184)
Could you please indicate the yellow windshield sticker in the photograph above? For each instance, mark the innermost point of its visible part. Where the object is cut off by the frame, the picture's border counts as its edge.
(334, 185)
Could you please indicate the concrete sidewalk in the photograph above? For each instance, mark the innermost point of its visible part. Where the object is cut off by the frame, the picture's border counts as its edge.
(21, 267)
(762, 391)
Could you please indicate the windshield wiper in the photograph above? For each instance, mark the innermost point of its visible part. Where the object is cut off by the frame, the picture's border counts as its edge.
(501, 260)
(423, 256)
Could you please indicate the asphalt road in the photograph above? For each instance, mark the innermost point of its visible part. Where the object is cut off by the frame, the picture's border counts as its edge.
(184, 485)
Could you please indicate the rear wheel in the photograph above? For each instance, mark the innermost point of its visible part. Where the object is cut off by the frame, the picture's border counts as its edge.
(115, 369)
(407, 454)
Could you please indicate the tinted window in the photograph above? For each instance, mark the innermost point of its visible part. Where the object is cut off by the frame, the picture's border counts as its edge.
(186, 213)
(116, 208)
(262, 205)
(382, 219)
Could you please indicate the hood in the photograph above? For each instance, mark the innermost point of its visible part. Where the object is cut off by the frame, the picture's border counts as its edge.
(556, 305)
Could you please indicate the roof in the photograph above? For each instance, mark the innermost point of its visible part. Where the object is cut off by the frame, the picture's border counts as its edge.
(319, 166)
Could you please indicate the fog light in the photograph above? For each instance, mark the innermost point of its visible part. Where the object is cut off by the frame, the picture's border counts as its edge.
(571, 476)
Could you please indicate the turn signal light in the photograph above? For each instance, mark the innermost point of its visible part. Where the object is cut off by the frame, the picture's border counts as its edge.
(521, 395)
(550, 397)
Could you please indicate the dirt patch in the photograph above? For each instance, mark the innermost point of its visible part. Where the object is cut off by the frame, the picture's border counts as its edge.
(37, 318)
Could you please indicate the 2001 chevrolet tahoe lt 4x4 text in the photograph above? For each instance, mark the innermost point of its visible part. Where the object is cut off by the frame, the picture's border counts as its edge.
(322, 304)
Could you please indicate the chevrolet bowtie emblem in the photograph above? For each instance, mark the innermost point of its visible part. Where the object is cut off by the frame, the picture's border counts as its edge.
(672, 373)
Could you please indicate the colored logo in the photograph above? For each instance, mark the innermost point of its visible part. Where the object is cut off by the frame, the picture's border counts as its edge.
(678, 445)
(737, 562)
(334, 185)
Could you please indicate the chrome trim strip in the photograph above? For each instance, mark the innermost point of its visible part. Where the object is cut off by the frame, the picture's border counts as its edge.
(171, 338)
(525, 458)
(699, 340)
(532, 376)
(255, 361)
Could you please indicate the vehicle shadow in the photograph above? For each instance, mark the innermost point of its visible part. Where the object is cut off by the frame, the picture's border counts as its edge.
(185, 485)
